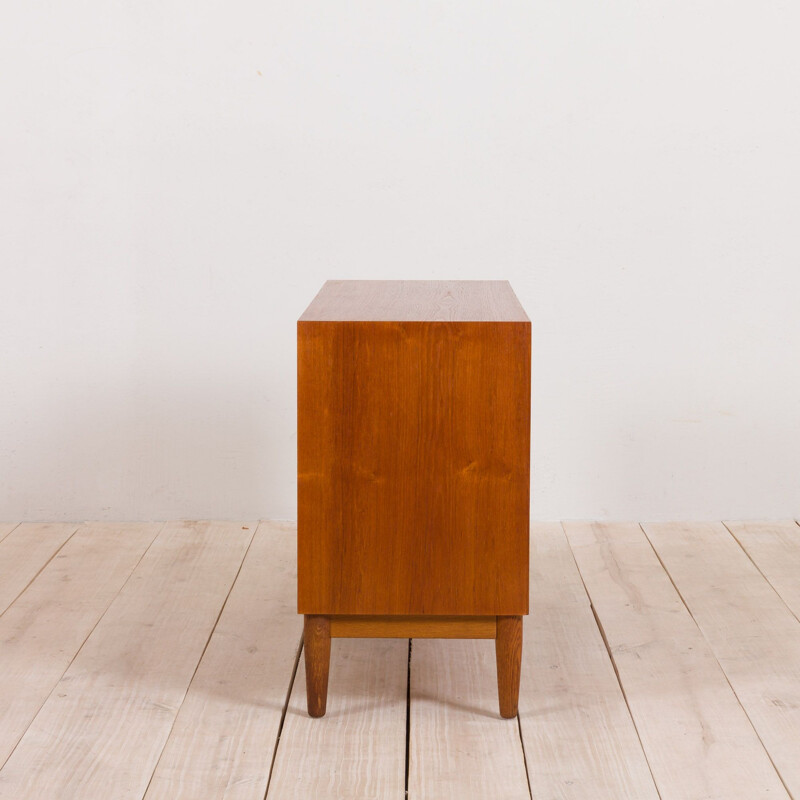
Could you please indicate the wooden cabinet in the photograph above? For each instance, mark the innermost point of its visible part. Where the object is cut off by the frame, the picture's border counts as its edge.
(413, 467)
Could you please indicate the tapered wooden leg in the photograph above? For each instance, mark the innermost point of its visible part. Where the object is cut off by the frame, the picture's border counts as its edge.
(508, 648)
(317, 650)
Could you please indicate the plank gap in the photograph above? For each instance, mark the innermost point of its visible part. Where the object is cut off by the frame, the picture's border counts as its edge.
(622, 688)
(578, 734)
(671, 677)
(713, 653)
(524, 756)
(456, 725)
(15, 607)
(8, 527)
(199, 660)
(134, 663)
(283, 714)
(408, 716)
(356, 749)
(228, 724)
(614, 666)
(747, 707)
(7, 540)
(760, 571)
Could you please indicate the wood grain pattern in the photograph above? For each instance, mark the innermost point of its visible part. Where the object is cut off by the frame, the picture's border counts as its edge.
(222, 743)
(579, 738)
(25, 551)
(46, 626)
(413, 467)
(774, 547)
(414, 627)
(508, 652)
(102, 729)
(317, 655)
(459, 746)
(698, 740)
(358, 749)
(753, 634)
(415, 301)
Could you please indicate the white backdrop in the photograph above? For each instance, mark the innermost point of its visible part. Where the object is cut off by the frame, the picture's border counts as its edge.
(178, 179)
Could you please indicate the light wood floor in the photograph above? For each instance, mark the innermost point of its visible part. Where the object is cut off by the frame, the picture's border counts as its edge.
(163, 661)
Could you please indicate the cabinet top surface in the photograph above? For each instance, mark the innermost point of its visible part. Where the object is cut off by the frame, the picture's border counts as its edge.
(411, 301)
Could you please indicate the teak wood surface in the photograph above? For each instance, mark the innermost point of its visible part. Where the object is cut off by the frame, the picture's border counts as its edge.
(394, 626)
(413, 449)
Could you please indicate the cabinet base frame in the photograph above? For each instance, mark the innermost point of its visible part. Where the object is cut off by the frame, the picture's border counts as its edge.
(345, 626)
(320, 629)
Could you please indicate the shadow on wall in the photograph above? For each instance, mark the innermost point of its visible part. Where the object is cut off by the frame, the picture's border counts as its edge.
(196, 446)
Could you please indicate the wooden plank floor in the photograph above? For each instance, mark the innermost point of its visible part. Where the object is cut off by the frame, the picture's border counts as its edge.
(164, 661)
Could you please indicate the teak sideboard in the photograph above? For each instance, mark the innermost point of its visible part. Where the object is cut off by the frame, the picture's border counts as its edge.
(413, 468)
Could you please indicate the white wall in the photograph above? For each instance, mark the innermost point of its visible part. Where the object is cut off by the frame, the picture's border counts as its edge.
(178, 178)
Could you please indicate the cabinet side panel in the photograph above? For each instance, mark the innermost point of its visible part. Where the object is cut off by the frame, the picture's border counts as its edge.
(413, 468)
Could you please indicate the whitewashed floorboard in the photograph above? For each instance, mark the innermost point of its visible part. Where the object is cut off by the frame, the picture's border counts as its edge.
(25, 551)
(222, 744)
(774, 547)
(579, 738)
(699, 742)
(102, 729)
(460, 746)
(6, 528)
(753, 634)
(357, 750)
(47, 624)
(102, 725)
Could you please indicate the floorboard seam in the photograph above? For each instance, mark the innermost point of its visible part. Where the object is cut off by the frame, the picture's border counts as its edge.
(283, 715)
(408, 718)
(614, 666)
(83, 644)
(199, 661)
(760, 571)
(524, 756)
(42, 568)
(624, 694)
(721, 668)
(9, 532)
